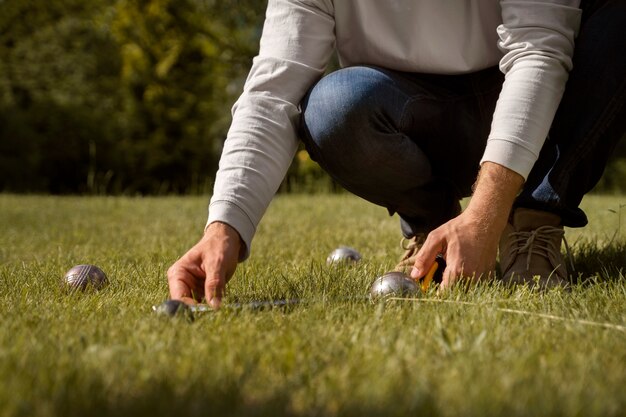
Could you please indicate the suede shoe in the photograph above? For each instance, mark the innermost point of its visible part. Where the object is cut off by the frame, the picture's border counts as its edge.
(530, 250)
(411, 247)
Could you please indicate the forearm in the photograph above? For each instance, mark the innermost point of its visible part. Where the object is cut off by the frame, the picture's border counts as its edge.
(296, 43)
(494, 194)
(538, 45)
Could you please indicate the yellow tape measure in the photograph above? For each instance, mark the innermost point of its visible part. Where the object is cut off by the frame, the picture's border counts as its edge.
(435, 273)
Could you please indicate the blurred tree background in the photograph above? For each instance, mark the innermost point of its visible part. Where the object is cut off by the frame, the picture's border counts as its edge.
(125, 96)
(131, 96)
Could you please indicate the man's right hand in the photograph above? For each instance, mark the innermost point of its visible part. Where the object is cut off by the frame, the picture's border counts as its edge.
(206, 268)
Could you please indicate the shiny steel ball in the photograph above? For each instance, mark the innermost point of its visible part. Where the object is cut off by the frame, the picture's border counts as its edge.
(393, 284)
(82, 277)
(343, 254)
(174, 308)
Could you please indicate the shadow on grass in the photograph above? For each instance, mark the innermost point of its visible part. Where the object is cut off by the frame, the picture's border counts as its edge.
(593, 263)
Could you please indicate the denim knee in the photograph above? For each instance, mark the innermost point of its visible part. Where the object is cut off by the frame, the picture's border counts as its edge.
(341, 113)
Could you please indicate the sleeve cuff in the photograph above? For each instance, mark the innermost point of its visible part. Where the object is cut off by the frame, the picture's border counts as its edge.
(510, 155)
(231, 214)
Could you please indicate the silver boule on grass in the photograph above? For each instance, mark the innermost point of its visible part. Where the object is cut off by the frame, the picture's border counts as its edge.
(393, 284)
(398, 284)
(84, 277)
(343, 255)
(174, 309)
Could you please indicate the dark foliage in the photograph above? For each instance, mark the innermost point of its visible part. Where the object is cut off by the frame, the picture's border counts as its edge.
(130, 96)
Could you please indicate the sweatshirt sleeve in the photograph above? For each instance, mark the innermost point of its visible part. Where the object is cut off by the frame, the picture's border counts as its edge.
(295, 47)
(537, 38)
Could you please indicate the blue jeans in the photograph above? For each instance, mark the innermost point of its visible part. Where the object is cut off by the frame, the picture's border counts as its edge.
(412, 142)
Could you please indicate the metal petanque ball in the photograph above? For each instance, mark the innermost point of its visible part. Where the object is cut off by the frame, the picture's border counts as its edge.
(81, 277)
(393, 284)
(343, 254)
(174, 308)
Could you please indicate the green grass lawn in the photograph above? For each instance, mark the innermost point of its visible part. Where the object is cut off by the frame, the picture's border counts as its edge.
(106, 353)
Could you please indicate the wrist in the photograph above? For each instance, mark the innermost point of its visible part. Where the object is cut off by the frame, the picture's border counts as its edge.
(494, 193)
(225, 232)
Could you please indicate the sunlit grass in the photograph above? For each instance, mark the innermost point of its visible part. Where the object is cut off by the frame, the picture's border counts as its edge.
(337, 354)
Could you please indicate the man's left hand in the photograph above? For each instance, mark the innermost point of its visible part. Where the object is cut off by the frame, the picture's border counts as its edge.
(469, 242)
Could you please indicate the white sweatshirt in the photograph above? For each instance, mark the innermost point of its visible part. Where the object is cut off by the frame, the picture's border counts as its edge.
(531, 40)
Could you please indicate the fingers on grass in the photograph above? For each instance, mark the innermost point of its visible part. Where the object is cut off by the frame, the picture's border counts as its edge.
(183, 280)
(455, 276)
(214, 290)
(425, 258)
(451, 276)
(178, 287)
(189, 300)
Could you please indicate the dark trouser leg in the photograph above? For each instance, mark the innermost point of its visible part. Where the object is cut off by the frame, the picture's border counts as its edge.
(590, 120)
(409, 142)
